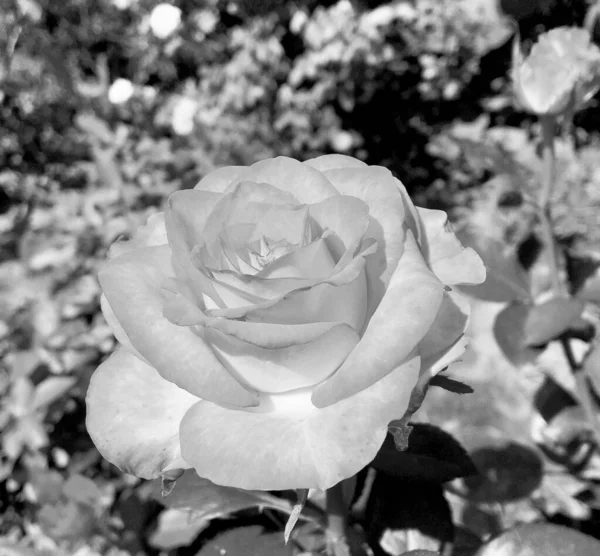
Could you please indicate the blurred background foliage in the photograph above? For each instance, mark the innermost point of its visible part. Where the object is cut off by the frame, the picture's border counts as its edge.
(104, 113)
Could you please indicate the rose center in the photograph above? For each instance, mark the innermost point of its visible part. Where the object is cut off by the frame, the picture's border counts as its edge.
(266, 251)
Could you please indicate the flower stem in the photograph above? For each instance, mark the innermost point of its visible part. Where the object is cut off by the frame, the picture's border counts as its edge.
(549, 179)
(337, 522)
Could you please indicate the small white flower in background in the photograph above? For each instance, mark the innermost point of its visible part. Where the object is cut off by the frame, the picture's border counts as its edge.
(123, 4)
(298, 21)
(206, 21)
(120, 91)
(164, 19)
(342, 141)
(149, 94)
(183, 116)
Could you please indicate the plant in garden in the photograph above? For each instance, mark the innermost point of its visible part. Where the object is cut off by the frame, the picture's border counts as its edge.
(560, 74)
(273, 321)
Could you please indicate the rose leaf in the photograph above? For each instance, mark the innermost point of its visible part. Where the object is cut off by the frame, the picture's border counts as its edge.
(541, 538)
(432, 455)
(450, 384)
(509, 331)
(547, 321)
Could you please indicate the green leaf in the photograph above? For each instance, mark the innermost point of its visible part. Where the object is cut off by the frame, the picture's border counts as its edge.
(547, 321)
(541, 539)
(508, 470)
(509, 331)
(82, 490)
(302, 494)
(95, 127)
(246, 541)
(420, 553)
(211, 501)
(176, 528)
(432, 455)
(51, 389)
(450, 384)
(591, 367)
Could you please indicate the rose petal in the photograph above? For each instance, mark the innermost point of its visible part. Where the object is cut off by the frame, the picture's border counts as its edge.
(297, 446)
(185, 219)
(449, 325)
(411, 212)
(451, 262)
(301, 305)
(347, 217)
(334, 161)
(305, 183)
(441, 361)
(181, 311)
(276, 280)
(401, 321)
(322, 303)
(116, 328)
(376, 187)
(187, 214)
(133, 416)
(220, 179)
(132, 285)
(245, 203)
(279, 370)
(313, 261)
(151, 233)
(284, 223)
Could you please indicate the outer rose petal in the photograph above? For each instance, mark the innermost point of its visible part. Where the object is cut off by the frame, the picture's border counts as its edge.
(133, 416)
(305, 183)
(450, 324)
(220, 179)
(117, 329)
(333, 161)
(451, 262)
(132, 284)
(435, 365)
(376, 187)
(402, 319)
(187, 213)
(151, 233)
(308, 448)
(185, 218)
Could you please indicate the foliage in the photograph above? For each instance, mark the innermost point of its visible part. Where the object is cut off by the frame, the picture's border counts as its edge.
(102, 120)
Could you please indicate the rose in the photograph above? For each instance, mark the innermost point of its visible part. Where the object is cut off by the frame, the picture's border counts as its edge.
(560, 74)
(273, 321)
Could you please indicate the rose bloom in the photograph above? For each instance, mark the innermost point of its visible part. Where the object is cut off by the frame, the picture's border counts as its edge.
(560, 74)
(273, 321)
(164, 19)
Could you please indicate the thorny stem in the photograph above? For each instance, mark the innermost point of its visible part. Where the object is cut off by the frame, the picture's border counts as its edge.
(549, 179)
(337, 522)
